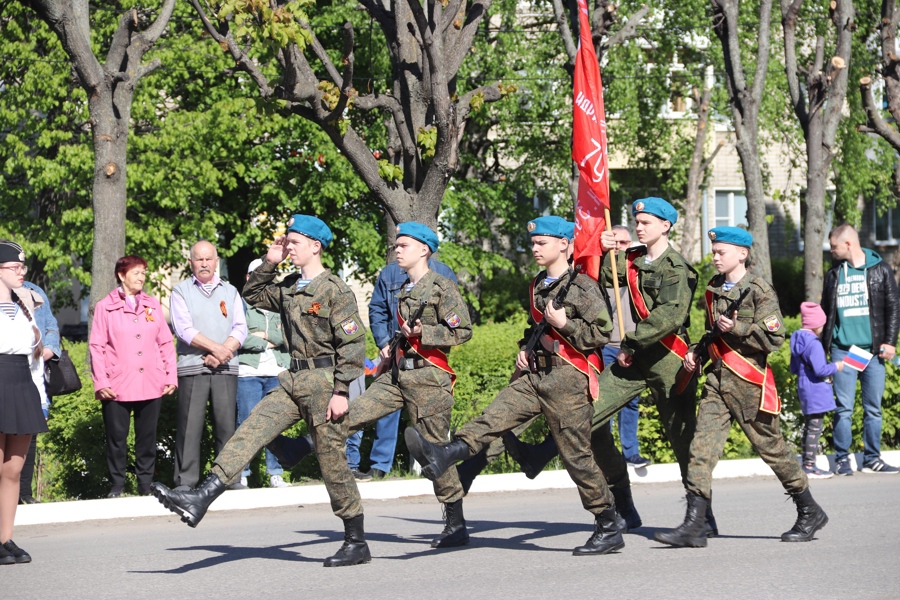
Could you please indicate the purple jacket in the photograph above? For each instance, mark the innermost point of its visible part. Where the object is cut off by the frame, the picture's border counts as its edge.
(809, 365)
(131, 350)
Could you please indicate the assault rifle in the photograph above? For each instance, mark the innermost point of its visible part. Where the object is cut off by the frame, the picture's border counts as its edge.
(541, 328)
(701, 350)
(399, 338)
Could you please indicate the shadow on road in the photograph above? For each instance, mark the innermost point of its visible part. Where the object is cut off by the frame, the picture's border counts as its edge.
(228, 554)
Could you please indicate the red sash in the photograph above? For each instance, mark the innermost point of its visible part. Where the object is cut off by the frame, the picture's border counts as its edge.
(590, 365)
(675, 344)
(434, 356)
(748, 371)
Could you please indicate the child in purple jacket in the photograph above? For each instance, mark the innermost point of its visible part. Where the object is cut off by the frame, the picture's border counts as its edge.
(813, 382)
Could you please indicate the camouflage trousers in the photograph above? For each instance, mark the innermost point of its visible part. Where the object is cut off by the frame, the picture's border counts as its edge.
(723, 401)
(427, 396)
(655, 368)
(562, 397)
(302, 395)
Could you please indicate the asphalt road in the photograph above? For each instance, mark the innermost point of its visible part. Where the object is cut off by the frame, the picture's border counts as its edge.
(521, 548)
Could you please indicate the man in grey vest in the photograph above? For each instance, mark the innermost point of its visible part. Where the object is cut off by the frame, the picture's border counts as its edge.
(210, 326)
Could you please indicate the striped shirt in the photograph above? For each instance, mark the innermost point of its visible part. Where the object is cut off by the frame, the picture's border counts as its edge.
(302, 283)
(10, 309)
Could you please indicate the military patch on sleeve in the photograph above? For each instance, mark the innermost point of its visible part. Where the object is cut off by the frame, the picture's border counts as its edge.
(773, 323)
(453, 320)
(349, 326)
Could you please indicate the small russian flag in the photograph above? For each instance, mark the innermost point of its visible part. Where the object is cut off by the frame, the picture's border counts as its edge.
(857, 358)
(370, 367)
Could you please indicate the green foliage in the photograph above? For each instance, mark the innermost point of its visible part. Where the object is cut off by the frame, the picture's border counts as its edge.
(389, 171)
(427, 140)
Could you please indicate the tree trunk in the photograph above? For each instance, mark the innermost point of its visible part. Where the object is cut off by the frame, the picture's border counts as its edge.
(746, 98)
(817, 104)
(814, 223)
(110, 137)
(696, 177)
(748, 152)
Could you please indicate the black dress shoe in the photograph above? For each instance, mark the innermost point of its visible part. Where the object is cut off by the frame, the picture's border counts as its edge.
(28, 500)
(115, 493)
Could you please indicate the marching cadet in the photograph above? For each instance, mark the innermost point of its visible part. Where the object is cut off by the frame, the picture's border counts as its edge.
(327, 346)
(661, 286)
(555, 380)
(740, 385)
(418, 377)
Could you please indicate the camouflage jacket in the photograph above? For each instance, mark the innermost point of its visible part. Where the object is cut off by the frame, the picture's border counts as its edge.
(321, 319)
(667, 286)
(445, 321)
(588, 324)
(759, 327)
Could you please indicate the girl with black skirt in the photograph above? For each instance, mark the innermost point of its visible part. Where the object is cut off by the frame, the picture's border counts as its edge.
(21, 374)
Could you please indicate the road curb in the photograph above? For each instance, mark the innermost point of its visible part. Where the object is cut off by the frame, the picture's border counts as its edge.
(135, 507)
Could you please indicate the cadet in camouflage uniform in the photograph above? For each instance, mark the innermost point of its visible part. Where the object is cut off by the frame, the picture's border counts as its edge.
(666, 284)
(736, 388)
(326, 341)
(421, 380)
(554, 381)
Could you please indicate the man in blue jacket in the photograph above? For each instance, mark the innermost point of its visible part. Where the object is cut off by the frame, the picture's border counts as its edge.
(383, 323)
(862, 309)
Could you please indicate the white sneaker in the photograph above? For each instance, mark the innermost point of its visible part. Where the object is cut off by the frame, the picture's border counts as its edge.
(276, 481)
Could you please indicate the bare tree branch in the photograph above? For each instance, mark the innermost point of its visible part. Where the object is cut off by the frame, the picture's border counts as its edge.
(875, 122)
(565, 31)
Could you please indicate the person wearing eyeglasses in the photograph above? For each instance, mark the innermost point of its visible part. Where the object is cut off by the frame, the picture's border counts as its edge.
(22, 374)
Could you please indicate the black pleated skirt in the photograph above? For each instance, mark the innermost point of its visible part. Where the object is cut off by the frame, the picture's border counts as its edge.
(20, 401)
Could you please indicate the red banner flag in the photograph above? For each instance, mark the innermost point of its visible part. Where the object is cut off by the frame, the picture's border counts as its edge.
(589, 150)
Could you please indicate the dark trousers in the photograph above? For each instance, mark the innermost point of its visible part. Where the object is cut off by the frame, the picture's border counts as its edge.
(27, 477)
(194, 391)
(117, 420)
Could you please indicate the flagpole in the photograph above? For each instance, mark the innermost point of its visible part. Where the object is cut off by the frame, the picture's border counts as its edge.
(615, 279)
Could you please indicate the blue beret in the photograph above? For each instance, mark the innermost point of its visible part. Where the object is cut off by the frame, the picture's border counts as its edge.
(312, 227)
(419, 232)
(731, 235)
(552, 226)
(656, 207)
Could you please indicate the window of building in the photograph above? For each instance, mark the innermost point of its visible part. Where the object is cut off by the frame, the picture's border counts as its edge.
(731, 209)
(886, 226)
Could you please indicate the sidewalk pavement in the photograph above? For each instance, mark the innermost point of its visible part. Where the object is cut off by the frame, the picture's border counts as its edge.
(148, 506)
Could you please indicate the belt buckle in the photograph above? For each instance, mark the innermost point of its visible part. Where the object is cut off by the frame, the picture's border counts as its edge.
(542, 362)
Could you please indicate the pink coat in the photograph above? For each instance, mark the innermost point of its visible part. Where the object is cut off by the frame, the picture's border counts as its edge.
(132, 351)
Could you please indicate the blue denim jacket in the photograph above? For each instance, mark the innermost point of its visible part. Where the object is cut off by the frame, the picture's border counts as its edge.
(383, 306)
(46, 322)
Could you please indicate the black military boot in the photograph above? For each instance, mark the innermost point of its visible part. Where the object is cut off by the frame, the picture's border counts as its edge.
(355, 550)
(192, 504)
(434, 458)
(810, 519)
(625, 508)
(532, 459)
(607, 538)
(470, 468)
(692, 532)
(712, 529)
(290, 451)
(455, 532)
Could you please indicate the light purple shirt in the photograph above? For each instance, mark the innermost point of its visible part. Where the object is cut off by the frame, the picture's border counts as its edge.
(184, 324)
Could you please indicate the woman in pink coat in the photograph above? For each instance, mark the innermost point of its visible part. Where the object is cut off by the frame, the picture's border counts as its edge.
(133, 366)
